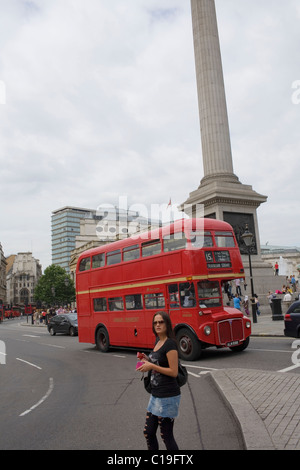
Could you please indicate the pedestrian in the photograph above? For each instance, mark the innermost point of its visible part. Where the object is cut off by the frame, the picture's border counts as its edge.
(165, 396)
(270, 297)
(276, 269)
(238, 286)
(257, 304)
(293, 283)
(287, 299)
(228, 290)
(246, 305)
(237, 302)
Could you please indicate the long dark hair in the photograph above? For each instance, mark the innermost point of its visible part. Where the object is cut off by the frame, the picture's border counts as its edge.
(168, 323)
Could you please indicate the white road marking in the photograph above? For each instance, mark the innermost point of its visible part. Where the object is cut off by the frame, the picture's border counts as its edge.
(289, 368)
(29, 363)
(199, 367)
(194, 375)
(51, 386)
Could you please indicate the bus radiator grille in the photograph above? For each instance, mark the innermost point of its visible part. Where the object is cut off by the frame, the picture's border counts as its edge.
(230, 330)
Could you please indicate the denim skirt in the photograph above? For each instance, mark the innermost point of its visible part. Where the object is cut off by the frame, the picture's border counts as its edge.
(164, 407)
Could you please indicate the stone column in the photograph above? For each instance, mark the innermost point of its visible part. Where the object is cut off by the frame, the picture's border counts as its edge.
(215, 135)
(220, 194)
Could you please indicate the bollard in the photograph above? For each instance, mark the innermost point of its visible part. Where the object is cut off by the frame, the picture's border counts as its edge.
(276, 309)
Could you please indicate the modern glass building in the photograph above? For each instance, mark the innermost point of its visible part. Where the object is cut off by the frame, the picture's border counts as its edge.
(65, 226)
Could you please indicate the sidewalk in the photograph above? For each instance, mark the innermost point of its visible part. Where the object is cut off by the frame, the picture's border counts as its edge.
(266, 404)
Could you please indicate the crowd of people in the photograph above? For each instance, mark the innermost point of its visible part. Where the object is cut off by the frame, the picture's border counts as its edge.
(233, 290)
(43, 315)
(239, 301)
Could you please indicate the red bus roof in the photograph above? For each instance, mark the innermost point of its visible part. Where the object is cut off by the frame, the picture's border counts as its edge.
(176, 226)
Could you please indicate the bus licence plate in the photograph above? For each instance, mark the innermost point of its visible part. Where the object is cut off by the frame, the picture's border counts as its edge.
(233, 343)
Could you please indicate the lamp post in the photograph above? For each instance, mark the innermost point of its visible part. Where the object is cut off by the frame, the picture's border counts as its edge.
(248, 240)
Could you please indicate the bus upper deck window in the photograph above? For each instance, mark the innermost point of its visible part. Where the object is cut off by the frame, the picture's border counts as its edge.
(113, 257)
(131, 252)
(98, 260)
(174, 241)
(153, 247)
(200, 239)
(224, 239)
(85, 264)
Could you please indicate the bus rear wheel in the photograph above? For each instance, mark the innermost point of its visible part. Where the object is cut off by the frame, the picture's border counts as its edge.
(102, 340)
(189, 346)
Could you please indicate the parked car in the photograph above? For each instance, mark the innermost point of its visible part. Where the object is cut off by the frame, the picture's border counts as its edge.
(65, 323)
(292, 321)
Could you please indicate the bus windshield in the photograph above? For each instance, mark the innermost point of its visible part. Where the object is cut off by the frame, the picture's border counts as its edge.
(209, 294)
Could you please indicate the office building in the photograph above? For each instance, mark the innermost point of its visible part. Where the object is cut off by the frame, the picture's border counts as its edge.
(65, 225)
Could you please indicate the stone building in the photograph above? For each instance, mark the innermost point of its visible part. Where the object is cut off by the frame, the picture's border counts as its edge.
(287, 257)
(3, 264)
(23, 273)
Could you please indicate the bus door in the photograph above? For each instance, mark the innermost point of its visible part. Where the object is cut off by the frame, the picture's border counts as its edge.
(117, 327)
(154, 301)
(135, 320)
(181, 301)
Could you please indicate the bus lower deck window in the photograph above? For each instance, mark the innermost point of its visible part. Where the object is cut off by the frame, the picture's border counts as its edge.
(154, 300)
(100, 305)
(115, 303)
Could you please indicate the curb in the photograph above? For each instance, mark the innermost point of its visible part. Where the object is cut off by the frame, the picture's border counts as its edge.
(256, 436)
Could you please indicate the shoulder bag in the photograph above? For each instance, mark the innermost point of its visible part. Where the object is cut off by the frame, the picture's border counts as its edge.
(181, 378)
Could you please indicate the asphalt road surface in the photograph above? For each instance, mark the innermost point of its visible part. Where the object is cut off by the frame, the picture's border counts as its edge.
(59, 394)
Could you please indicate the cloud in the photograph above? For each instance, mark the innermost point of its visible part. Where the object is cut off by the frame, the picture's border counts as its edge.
(101, 100)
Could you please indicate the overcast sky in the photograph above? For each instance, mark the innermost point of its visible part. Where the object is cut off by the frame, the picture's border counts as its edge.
(98, 100)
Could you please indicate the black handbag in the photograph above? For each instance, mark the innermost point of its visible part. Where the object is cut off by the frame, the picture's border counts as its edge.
(147, 383)
(181, 378)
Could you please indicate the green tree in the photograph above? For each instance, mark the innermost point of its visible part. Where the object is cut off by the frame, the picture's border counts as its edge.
(55, 287)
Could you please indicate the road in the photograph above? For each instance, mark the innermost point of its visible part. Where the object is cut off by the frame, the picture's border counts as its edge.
(59, 394)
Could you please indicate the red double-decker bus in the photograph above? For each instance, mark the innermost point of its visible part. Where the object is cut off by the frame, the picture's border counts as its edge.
(180, 268)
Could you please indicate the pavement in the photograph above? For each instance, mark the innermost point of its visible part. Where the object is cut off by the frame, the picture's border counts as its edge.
(265, 404)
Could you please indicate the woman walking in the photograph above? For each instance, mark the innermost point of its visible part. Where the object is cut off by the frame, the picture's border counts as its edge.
(165, 392)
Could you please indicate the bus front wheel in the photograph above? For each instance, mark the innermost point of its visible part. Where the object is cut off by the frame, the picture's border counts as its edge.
(102, 340)
(189, 345)
(241, 346)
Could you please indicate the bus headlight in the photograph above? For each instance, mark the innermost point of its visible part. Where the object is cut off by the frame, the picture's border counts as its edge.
(248, 324)
(207, 330)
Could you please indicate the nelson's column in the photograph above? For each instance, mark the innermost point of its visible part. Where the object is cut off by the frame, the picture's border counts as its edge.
(220, 193)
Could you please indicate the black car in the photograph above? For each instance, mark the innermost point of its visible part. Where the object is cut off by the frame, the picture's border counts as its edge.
(292, 321)
(66, 324)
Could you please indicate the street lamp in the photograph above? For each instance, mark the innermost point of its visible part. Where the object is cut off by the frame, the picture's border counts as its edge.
(248, 240)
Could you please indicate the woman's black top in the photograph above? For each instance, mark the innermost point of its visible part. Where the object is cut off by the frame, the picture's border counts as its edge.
(162, 385)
